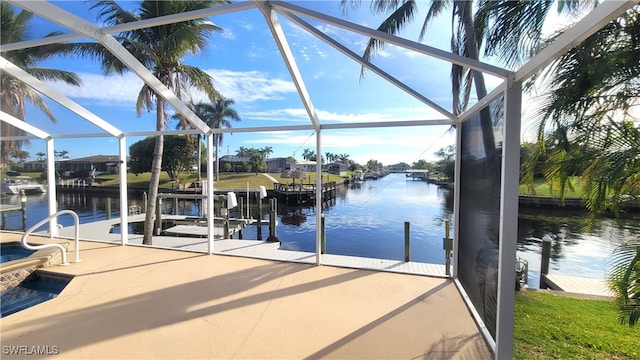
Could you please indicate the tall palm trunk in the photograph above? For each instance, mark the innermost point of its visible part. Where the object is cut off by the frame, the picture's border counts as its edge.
(486, 124)
(154, 181)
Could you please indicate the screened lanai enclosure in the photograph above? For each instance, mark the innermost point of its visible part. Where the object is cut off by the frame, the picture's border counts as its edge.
(487, 133)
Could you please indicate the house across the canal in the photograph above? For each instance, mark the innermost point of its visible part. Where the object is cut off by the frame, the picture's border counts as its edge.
(102, 164)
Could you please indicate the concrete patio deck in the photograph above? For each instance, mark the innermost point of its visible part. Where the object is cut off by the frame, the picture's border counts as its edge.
(129, 302)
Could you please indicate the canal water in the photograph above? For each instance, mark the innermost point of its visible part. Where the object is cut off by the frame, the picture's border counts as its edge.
(368, 219)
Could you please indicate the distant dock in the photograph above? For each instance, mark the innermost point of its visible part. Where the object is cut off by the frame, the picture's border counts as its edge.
(298, 194)
(578, 285)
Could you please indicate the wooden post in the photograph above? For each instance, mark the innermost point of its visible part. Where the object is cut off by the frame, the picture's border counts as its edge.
(23, 203)
(159, 216)
(175, 205)
(241, 207)
(273, 235)
(544, 264)
(407, 242)
(225, 214)
(323, 237)
(447, 245)
(259, 203)
(108, 208)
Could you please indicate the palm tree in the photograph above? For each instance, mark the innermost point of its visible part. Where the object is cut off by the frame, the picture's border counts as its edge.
(308, 154)
(217, 116)
(344, 158)
(266, 151)
(624, 281)
(14, 94)
(161, 49)
(243, 151)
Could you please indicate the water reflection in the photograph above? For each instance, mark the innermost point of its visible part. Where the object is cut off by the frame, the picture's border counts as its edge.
(574, 250)
(369, 221)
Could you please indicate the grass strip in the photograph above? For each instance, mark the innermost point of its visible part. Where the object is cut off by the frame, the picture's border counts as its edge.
(549, 326)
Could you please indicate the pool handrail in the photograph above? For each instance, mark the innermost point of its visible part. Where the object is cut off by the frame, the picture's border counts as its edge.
(24, 243)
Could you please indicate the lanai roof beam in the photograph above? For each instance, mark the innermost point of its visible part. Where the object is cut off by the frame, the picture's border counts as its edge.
(290, 61)
(395, 40)
(79, 25)
(359, 59)
(13, 121)
(162, 20)
(40, 86)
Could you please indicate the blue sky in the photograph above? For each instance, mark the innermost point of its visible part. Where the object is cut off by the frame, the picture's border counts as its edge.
(247, 67)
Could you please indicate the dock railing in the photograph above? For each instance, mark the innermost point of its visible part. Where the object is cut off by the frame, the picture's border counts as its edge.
(27, 246)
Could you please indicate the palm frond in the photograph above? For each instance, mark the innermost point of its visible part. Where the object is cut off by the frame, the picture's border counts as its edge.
(624, 281)
(435, 9)
(399, 18)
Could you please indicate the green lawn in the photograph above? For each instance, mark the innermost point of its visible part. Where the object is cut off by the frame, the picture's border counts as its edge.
(227, 181)
(549, 326)
(239, 180)
(544, 189)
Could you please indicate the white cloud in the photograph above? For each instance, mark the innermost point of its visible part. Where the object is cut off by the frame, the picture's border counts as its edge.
(285, 114)
(389, 145)
(300, 115)
(228, 34)
(250, 86)
(243, 87)
(114, 89)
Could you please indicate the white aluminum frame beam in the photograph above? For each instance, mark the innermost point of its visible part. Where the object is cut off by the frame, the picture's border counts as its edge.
(211, 195)
(510, 183)
(319, 210)
(482, 103)
(336, 126)
(52, 204)
(15, 122)
(53, 94)
(395, 40)
(162, 20)
(81, 26)
(360, 60)
(57, 39)
(285, 51)
(124, 199)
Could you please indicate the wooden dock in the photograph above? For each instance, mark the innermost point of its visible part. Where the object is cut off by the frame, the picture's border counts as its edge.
(300, 194)
(100, 231)
(578, 285)
(10, 207)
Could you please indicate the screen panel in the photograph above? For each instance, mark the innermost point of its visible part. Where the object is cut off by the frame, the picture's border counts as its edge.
(479, 210)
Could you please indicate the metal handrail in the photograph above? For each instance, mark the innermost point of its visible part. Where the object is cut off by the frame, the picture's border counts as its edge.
(23, 241)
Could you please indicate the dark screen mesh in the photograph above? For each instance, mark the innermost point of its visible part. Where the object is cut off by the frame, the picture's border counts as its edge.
(479, 213)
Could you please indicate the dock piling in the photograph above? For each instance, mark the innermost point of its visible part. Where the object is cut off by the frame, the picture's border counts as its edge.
(544, 264)
(323, 236)
(273, 236)
(259, 225)
(159, 216)
(447, 245)
(23, 205)
(407, 242)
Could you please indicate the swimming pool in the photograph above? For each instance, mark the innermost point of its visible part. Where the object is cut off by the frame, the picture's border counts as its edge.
(37, 288)
(13, 252)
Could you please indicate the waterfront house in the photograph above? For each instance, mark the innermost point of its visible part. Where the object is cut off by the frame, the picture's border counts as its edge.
(99, 164)
(280, 164)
